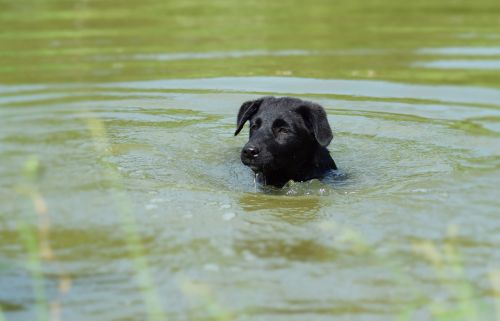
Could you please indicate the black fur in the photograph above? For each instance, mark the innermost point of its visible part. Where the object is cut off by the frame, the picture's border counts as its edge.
(288, 139)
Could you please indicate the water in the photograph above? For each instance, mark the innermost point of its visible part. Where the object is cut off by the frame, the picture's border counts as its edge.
(123, 197)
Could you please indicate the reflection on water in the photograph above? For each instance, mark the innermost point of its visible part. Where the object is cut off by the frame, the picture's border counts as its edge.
(288, 208)
(461, 51)
(461, 64)
(122, 194)
(291, 85)
(243, 54)
(94, 41)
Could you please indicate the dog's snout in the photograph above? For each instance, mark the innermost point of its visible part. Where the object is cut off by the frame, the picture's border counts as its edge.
(251, 151)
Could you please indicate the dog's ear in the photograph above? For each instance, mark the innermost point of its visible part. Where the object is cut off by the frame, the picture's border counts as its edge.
(316, 120)
(247, 110)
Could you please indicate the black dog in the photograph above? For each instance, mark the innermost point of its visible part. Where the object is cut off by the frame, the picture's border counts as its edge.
(288, 139)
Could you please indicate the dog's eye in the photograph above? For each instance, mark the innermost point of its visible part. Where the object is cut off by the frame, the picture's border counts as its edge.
(283, 130)
(255, 124)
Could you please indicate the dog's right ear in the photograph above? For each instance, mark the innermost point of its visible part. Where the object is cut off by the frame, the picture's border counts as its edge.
(247, 110)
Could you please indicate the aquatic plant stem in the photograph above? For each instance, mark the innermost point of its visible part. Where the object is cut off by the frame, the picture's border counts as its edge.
(35, 267)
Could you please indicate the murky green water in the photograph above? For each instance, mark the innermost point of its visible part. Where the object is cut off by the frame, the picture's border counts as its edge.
(123, 198)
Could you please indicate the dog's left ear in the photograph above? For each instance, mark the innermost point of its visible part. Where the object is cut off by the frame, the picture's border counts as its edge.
(247, 110)
(316, 120)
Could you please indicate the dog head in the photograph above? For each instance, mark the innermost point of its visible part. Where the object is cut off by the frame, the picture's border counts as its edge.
(285, 135)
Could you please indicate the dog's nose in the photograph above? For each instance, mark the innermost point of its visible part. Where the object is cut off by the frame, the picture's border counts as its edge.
(250, 151)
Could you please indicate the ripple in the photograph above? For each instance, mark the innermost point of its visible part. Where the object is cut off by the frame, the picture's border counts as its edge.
(358, 88)
(461, 51)
(460, 64)
(413, 159)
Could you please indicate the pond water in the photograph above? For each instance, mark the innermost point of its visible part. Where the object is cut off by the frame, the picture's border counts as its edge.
(122, 194)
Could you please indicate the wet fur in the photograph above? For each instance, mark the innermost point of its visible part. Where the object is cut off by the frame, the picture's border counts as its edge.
(288, 139)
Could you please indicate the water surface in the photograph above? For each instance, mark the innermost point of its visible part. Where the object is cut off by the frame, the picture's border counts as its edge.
(122, 194)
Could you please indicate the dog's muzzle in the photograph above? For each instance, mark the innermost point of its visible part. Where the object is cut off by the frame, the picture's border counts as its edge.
(249, 157)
